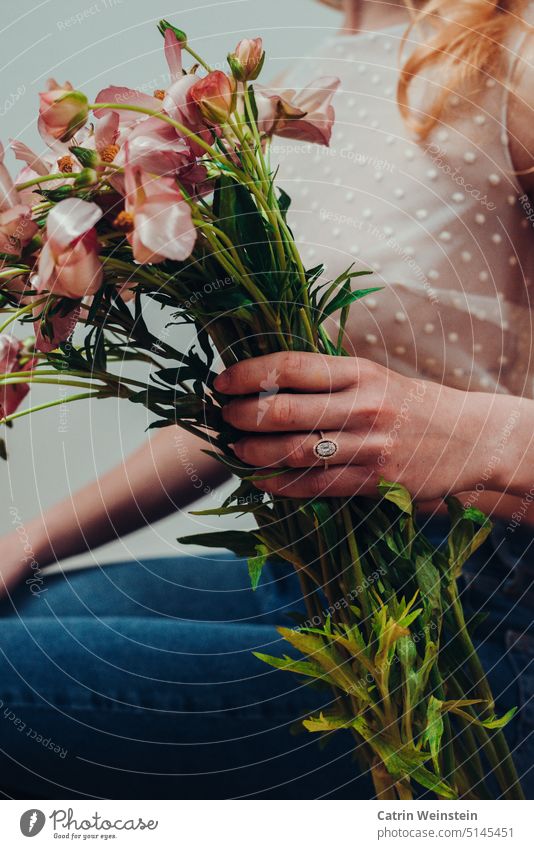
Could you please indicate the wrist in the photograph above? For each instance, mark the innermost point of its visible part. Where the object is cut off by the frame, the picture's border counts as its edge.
(501, 440)
(514, 473)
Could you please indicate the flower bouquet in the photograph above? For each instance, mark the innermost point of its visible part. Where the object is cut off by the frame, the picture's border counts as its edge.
(151, 202)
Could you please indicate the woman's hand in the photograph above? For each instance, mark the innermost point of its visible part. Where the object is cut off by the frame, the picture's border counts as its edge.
(433, 439)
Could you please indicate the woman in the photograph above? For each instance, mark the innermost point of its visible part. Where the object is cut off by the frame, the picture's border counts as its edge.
(140, 681)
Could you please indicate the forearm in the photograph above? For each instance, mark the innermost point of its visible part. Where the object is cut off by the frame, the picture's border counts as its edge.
(168, 472)
(496, 505)
(514, 427)
(504, 488)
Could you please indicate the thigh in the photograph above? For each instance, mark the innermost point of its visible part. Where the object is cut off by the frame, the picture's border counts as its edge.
(142, 708)
(96, 700)
(212, 587)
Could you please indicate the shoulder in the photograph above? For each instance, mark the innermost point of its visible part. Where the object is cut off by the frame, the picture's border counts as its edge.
(521, 104)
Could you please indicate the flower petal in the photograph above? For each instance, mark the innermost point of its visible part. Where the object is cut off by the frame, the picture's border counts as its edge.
(166, 228)
(24, 154)
(107, 130)
(173, 55)
(69, 220)
(126, 96)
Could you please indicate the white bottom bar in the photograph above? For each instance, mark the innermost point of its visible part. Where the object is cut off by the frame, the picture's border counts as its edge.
(268, 824)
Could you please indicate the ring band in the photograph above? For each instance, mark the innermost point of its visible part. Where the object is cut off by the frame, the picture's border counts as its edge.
(325, 449)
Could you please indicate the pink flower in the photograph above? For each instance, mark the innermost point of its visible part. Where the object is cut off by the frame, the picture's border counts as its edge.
(173, 55)
(247, 60)
(58, 158)
(131, 97)
(157, 218)
(54, 323)
(69, 265)
(306, 116)
(106, 137)
(62, 112)
(215, 96)
(180, 106)
(155, 147)
(158, 136)
(16, 226)
(153, 144)
(12, 394)
(120, 95)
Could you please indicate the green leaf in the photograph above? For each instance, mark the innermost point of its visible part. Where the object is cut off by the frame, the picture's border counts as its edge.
(256, 564)
(434, 729)
(463, 539)
(325, 523)
(242, 543)
(240, 219)
(172, 376)
(284, 202)
(3, 450)
(345, 297)
(328, 658)
(397, 494)
(161, 423)
(492, 723)
(226, 511)
(289, 664)
(326, 723)
(403, 761)
(429, 581)
(500, 722)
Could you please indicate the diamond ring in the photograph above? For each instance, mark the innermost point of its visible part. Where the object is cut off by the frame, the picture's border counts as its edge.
(325, 449)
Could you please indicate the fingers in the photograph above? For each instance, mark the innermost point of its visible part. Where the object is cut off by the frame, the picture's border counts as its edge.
(337, 481)
(289, 370)
(296, 450)
(286, 412)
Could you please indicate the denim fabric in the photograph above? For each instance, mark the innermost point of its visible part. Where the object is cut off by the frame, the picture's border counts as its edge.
(137, 680)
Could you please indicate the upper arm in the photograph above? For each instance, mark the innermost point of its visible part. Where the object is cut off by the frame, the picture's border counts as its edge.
(521, 115)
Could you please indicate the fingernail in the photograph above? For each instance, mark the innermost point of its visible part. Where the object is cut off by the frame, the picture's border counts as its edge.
(222, 381)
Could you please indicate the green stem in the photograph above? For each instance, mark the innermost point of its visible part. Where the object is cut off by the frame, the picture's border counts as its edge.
(181, 128)
(356, 564)
(29, 376)
(80, 397)
(46, 178)
(9, 381)
(197, 58)
(22, 311)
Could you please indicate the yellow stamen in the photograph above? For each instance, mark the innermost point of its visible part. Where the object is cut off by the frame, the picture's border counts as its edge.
(160, 94)
(109, 152)
(124, 221)
(65, 164)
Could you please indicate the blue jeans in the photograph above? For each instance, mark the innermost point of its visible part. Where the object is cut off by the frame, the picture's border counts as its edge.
(137, 680)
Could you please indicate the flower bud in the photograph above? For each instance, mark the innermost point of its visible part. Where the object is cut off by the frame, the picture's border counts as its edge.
(86, 157)
(11, 394)
(86, 177)
(215, 96)
(62, 112)
(247, 60)
(163, 26)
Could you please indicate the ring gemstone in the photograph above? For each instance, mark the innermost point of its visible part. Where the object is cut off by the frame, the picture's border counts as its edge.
(325, 449)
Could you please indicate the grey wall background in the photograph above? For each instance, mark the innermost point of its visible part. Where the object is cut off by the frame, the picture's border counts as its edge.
(94, 44)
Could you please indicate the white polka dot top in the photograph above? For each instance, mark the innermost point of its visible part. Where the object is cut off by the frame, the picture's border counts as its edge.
(442, 223)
